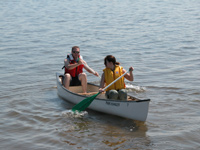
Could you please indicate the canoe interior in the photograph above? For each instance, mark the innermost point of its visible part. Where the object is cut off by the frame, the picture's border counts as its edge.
(91, 90)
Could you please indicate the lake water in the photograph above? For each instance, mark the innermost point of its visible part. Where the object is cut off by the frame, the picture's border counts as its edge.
(159, 38)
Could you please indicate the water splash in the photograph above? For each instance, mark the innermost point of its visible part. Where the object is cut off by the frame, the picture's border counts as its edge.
(131, 87)
(131, 128)
(72, 114)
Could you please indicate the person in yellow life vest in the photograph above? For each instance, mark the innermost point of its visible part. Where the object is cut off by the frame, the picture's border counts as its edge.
(74, 75)
(112, 71)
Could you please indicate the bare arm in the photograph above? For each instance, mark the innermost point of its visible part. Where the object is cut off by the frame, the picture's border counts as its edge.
(129, 76)
(71, 66)
(90, 70)
(102, 83)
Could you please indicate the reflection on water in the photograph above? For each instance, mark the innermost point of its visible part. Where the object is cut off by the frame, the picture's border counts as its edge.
(127, 137)
(99, 128)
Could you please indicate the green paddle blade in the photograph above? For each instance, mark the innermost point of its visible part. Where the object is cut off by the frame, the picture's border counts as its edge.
(84, 103)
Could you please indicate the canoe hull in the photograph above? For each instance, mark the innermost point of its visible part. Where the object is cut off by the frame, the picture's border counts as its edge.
(136, 110)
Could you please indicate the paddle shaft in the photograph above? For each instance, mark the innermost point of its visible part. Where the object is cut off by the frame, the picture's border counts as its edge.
(88, 100)
(115, 80)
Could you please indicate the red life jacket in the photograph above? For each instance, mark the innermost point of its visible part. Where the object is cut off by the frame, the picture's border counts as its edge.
(76, 71)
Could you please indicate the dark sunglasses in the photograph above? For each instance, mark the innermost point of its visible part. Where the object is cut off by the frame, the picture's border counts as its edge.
(76, 52)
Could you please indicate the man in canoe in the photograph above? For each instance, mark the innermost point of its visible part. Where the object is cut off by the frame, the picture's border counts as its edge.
(74, 65)
(112, 72)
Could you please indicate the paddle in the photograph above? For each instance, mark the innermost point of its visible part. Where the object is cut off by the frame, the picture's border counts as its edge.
(87, 101)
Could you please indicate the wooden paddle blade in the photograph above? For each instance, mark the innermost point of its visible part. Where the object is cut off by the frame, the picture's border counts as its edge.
(84, 103)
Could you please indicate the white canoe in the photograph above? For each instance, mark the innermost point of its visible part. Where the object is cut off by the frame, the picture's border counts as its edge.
(133, 108)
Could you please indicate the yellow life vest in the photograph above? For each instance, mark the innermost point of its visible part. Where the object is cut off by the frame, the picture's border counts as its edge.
(110, 76)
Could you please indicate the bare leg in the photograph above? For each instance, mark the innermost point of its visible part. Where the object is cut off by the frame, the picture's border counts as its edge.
(83, 79)
(67, 80)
